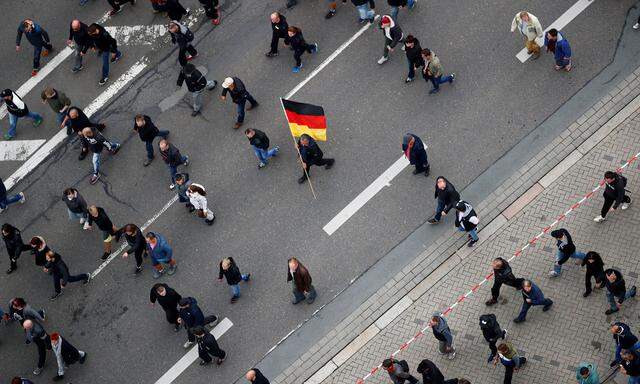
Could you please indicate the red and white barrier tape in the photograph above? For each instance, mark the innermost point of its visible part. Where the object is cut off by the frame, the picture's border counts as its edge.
(531, 242)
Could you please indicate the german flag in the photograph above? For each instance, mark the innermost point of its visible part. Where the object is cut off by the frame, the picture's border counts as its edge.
(305, 118)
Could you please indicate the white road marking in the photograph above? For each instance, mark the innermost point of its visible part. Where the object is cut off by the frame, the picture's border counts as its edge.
(192, 355)
(137, 34)
(562, 22)
(18, 150)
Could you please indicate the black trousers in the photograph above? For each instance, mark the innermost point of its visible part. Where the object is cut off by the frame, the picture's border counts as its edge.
(508, 371)
(205, 354)
(299, 51)
(182, 54)
(495, 289)
(71, 279)
(211, 11)
(587, 280)
(320, 162)
(42, 345)
(115, 4)
(276, 36)
(14, 259)
(171, 315)
(608, 203)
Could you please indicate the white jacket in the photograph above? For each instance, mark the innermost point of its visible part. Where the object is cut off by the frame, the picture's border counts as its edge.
(532, 31)
(197, 200)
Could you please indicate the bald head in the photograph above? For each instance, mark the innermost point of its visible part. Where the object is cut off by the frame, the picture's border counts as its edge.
(87, 132)
(28, 324)
(75, 24)
(275, 17)
(251, 375)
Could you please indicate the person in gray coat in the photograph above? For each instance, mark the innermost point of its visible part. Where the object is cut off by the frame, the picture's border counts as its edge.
(398, 371)
(443, 334)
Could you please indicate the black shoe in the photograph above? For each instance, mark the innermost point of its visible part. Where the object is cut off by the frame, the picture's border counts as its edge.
(433, 221)
(291, 3)
(10, 270)
(331, 162)
(302, 179)
(55, 296)
(103, 81)
(416, 171)
(190, 207)
(330, 14)
(137, 271)
(586, 293)
(610, 311)
(491, 302)
(87, 280)
(426, 171)
(518, 320)
(234, 299)
(202, 362)
(195, 113)
(471, 243)
(613, 363)
(82, 155)
(271, 54)
(546, 307)
(105, 256)
(83, 358)
(77, 69)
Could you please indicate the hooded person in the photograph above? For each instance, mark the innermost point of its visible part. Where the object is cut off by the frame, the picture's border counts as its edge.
(467, 221)
(446, 196)
(14, 244)
(443, 334)
(392, 36)
(586, 373)
(168, 298)
(595, 268)
(415, 152)
(197, 198)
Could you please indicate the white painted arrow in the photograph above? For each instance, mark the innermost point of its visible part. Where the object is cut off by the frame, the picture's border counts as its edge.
(18, 150)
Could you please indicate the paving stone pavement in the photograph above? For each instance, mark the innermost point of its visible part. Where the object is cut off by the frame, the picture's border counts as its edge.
(555, 342)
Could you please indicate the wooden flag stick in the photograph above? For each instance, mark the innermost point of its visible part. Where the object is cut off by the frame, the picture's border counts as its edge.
(295, 144)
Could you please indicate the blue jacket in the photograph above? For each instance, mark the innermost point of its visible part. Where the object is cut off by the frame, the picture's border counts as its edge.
(191, 316)
(536, 296)
(36, 37)
(593, 377)
(562, 47)
(162, 252)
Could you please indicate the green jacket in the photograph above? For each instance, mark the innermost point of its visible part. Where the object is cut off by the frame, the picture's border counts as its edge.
(434, 66)
(59, 103)
(593, 377)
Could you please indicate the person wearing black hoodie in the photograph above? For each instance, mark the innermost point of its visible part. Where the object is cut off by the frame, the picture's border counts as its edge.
(39, 249)
(17, 109)
(431, 374)
(79, 34)
(467, 221)
(254, 376)
(260, 143)
(502, 274)
(136, 241)
(96, 143)
(208, 346)
(182, 36)
(147, 131)
(211, 9)
(614, 195)
(300, 46)
(76, 121)
(99, 217)
(190, 316)
(616, 289)
(595, 268)
(416, 153)
(15, 246)
(624, 339)
(566, 250)
(168, 298)
(60, 273)
(311, 154)
(230, 271)
(279, 27)
(392, 36)
(196, 84)
(412, 49)
(107, 49)
(446, 196)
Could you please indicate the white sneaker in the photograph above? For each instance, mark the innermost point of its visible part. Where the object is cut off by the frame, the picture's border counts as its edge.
(172, 186)
(403, 47)
(505, 334)
(37, 371)
(383, 60)
(599, 219)
(624, 206)
(188, 344)
(82, 220)
(22, 198)
(553, 274)
(86, 225)
(636, 25)
(451, 356)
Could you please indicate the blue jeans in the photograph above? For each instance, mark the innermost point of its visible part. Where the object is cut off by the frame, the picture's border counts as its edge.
(365, 12)
(394, 10)
(96, 163)
(634, 379)
(264, 154)
(473, 233)
(8, 200)
(439, 208)
(60, 118)
(173, 169)
(106, 57)
(76, 216)
(436, 81)
(612, 299)
(412, 71)
(240, 106)
(557, 267)
(149, 144)
(526, 306)
(13, 121)
(235, 289)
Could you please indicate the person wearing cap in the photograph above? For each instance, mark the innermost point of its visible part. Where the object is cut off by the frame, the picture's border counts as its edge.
(208, 347)
(279, 27)
(414, 151)
(35, 333)
(147, 130)
(17, 108)
(59, 103)
(173, 158)
(467, 221)
(196, 84)
(311, 154)
(300, 46)
(365, 10)
(413, 51)
(182, 36)
(260, 143)
(392, 36)
(254, 376)
(66, 354)
(239, 95)
(38, 37)
(566, 250)
(96, 143)
(433, 71)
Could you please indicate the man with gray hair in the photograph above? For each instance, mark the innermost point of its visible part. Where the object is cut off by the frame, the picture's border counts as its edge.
(34, 332)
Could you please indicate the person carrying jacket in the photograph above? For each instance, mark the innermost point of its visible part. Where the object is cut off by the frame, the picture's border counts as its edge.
(302, 282)
(624, 339)
(107, 48)
(595, 268)
(35, 333)
(173, 158)
(147, 131)
(279, 28)
(161, 253)
(414, 151)
(230, 271)
(182, 185)
(311, 154)
(211, 10)
(300, 46)
(17, 109)
(510, 359)
(66, 354)
(58, 102)
(555, 42)
(531, 295)
(76, 205)
(433, 71)
(413, 50)
(614, 195)
(96, 143)
(616, 289)
(38, 37)
(39, 250)
(197, 198)
(208, 346)
(586, 373)
(60, 273)
(446, 196)
(182, 36)
(398, 371)
(14, 244)
(365, 10)
(190, 316)
(168, 298)
(137, 244)
(98, 216)
(392, 36)
(566, 250)
(239, 95)
(196, 84)
(443, 334)
(260, 143)
(531, 29)
(79, 34)
(467, 221)
(397, 4)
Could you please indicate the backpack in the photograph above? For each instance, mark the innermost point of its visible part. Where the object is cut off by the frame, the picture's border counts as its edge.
(489, 326)
(624, 180)
(189, 35)
(404, 365)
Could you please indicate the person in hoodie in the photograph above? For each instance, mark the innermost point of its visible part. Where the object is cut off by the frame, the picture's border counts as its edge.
(311, 154)
(531, 296)
(279, 30)
(14, 244)
(595, 269)
(254, 376)
(208, 347)
(531, 29)
(99, 217)
(76, 205)
(20, 311)
(586, 373)
(75, 121)
(35, 333)
(365, 10)
(432, 375)
(107, 49)
(197, 198)
(211, 10)
(58, 102)
(230, 271)
(397, 4)
(443, 334)
(555, 42)
(190, 316)
(446, 196)
(182, 184)
(398, 371)
(260, 143)
(434, 72)
(147, 131)
(168, 298)
(39, 249)
(65, 353)
(624, 339)
(413, 50)
(614, 195)
(300, 46)
(137, 244)
(392, 36)
(239, 96)
(182, 36)
(491, 331)
(17, 109)
(414, 151)
(116, 6)
(467, 221)
(566, 250)
(630, 365)
(196, 84)
(173, 158)
(616, 289)
(60, 273)
(5, 199)
(38, 37)
(510, 359)
(161, 253)
(79, 34)
(96, 143)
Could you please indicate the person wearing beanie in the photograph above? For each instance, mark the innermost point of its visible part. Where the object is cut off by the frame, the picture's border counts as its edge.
(300, 46)
(365, 10)
(182, 36)
(433, 71)
(208, 346)
(566, 250)
(260, 143)
(17, 109)
(397, 4)
(66, 354)
(413, 51)
(38, 37)
(446, 197)
(254, 376)
(392, 36)
(198, 199)
(211, 10)
(595, 268)
(414, 151)
(311, 154)
(196, 84)
(279, 27)
(442, 333)
(467, 221)
(239, 95)
(168, 298)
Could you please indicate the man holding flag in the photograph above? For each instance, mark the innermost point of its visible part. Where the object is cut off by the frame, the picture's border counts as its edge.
(311, 154)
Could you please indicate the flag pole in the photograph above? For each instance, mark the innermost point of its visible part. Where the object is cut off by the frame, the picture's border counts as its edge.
(295, 144)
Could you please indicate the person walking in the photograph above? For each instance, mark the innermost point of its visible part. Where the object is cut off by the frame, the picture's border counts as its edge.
(66, 354)
(556, 43)
(79, 35)
(434, 72)
(147, 131)
(531, 295)
(36, 334)
(510, 359)
(614, 195)
(300, 46)
(77, 208)
(566, 250)
(616, 289)
(99, 217)
(182, 184)
(161, 253)
(173, 158)
(630, 365)
(116, 6)
(168, 298)
(39, 249)
(20, 311)
(415, 152)
(107, 49)
(59, 103)
(595, 268)
(254, 376)
(75, 121)
(137, 244)
(208, 347)
(96, 143)
(197, 198)
(239, 95)
(467, 221)
(38, 37)
(413, 50)
(260, 143)
(182, 36)
(60, 273)
(301, 280)
(491, 331)
(196, 84)
(279, 30)
(431, 374)
(211, 10)
(586, 373)
(397, 4)
(17, 109)
(392, 36)
(398, 371)
(5, 199)
(230, 271)
(443, 334)
(190, 316)
(624, 339)
(175, 10)
(446, 196)
(530, 28)
(14, 244)
(311, 154)
(365, 10)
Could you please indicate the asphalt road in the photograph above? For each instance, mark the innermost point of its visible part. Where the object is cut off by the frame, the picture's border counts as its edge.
(264, 216)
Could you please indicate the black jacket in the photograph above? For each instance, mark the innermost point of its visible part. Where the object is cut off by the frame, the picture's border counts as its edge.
(195, 81)
(596, 268)
(413, 54)
(180, 39)
(192, 315)
(232, 274)
(430, 373)
(3, 190)
(167, 302)
(16, 106)
(70, 354)
(617, 288)
(297, 42)
(95, 143)
(615, 191)
(418, 155)
(625, 338)
(566, 245)
(80, 122)
(260, 379)
(281, 27)
(103, 41)
(175, 10)
(40, 255)
(504, 274)
(239, 92)
(14, 243)
(81, 37)
(76, 205)
(102, 221)
(148, 131)
(58, 268)
(259, 140)
(207, 343)
(448, 195)
(632, 367)
(136, 241)
(171, 156)
(372, 4)
(396, 35)
(311, 154)
(465, 221)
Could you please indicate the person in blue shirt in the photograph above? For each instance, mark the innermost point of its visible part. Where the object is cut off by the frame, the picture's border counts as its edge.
(161, 253)
(531, 295)
(555, 42)
(38, 37)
